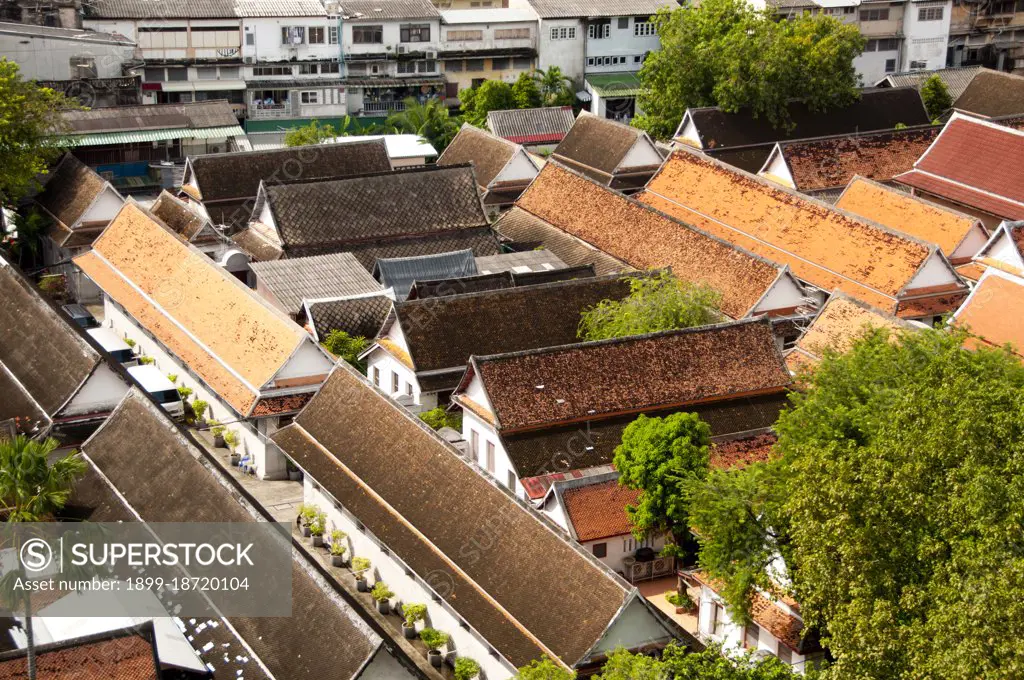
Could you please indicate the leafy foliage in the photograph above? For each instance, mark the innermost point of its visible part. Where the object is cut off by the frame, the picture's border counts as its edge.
(199, 407)
(360, 565)
(726, 53)
(31, 229)
(526, 92)
(436, 418)
(658, 302)
(381, 592)
(315, 133)
(660, 456)
(678, 664)
(491, 95)
(414, 613)
(54, 286)
(30, 125)
(433, 638)
(231, 439)
(555, 87)
(936, 97)
(897, 505)
(544, 669)
(32, 486)
(466, 668)
(429, 120)
(341, 344)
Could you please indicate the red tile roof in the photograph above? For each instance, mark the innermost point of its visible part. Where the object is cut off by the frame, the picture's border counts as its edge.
(971, 162)
(274, 406)
(113, 656)
(742, 452)
(598, 511)
(537, 486)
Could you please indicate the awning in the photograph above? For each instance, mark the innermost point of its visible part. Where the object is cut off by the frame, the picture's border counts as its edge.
(583, 96)
(394, 82)
(130, 136)
(614, 85)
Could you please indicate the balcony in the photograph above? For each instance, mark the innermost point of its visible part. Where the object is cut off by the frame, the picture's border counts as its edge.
(489, 45)
(269, 112)
(370, 108)
(637, 571)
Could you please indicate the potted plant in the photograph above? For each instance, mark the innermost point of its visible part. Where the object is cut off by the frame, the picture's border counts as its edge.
(300, 514)
(466, 668)
(173, 377)
(361, 565)
(412, 614)
(338, 548)
(146, 361)
(198, 409)
(231, 440)
(681, 601)
(308, 514)
(294, 473)
(382, 594)
(217, 430)
(131, 344)
(434, 640)
(316, 529)
(184, 392)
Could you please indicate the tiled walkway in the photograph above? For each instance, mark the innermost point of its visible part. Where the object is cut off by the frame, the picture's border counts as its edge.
(655, 592)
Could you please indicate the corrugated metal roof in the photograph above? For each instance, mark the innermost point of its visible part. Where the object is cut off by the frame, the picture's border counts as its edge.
(615, 84)
(358, 10)
(524, 126)
(955, 79)
(552, 9)
(400, 272)
(206, 114)
(487, 16)
(201, 9)
(74, 34)
(312, 278)
(527, 260)
(129, 136)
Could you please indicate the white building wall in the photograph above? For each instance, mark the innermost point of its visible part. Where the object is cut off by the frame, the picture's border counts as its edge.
(935, 272)
(391, 36)
(520, 167)
(784, 294)
(101, 392)
(104, 208)
(565, 53)
(503, 471)
(407, 588)
(874, 66)
(621, 547)
(976, 238)
(262, 40)
(924, 46)
(642, 153)
(308, 361)
(42, 58)
(621, 42)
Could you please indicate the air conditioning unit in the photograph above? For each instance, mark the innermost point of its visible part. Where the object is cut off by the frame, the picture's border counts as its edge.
(249, 60)
(431, 55)
(402, 49)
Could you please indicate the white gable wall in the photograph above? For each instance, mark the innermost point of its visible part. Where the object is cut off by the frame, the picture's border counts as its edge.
(687, 132)
(784, 294)
(1002, 249)
(972, 243)
(635, 626)
(642, 153)
(101, 392)
(308, 361)
(935, 272)
(104, 208)
(777, 170)
(520, 167)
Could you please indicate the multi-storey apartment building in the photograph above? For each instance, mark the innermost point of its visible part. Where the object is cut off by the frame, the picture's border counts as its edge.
(987, 34)
(486, 44)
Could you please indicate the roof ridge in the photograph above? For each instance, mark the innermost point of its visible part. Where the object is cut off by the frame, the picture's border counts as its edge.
(281, 151)
(399, 171)
(857, 134)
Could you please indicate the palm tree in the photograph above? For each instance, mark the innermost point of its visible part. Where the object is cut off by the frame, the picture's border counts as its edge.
(430, 120)
(33, 489)
(31, 230)
(555, 86)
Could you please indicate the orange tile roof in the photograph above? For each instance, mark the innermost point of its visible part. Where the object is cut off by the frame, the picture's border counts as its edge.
(971, 271)
(828, 248)
(645, 239)
(995, 311)
(599, 510)
(840, 322)
(738, 453)
(905, 213)
(202, 314)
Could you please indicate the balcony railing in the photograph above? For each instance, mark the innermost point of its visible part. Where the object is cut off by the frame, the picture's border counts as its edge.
(645, 571)
(488, 44)
(270, 112)
(383, 107)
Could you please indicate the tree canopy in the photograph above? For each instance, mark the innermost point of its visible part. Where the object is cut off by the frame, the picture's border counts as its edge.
(544, 669)
(526, 92)
(429, 120)
(29, 120)
(341, 344)
(555, 87)
(316, 133)
(897, 504)
(726, 53)
(936, 97)
(676, 663)
(491, 95)
(656, 302)
(660, 457)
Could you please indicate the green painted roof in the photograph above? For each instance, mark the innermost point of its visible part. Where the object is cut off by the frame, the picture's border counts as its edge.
(614, 84)
(129, 136)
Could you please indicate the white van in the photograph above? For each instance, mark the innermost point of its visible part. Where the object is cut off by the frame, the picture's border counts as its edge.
(159, 387)
(114, 346)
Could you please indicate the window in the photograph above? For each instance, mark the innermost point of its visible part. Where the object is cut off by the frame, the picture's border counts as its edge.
(453, 66)
(474, 65)
(316, 35)
(250, 38)
(293, 35)
(512, 481)
(206, 73)
(882, 45)
(376, 376)
(750, 636)
(309, 69)
(623, 22)
(643, 27)
(272, 70)
(394, 376)
(890, 65)
(366, 35)
(177, 74)
(511, 33)
(313, 97)
(600, 550)
(466, 36)
(153, 75)
(874, 14)
(563, 33)
(408, 389)
(408, 67)
(717, 619)
(229, 72)
(638, 59)
(522, 62)
(598, 30)
(490, 457)
(332, 35)
(628, 545)
(474, 446)
(785, 654)
(918, 65)
(501, 64)
(929, 13)
(414, 33)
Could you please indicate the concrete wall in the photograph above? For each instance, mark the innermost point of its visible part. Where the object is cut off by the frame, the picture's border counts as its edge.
(52, 58)
(565, 53)
(267, 46)
(391, 39)
(622, 42)
(926, 41)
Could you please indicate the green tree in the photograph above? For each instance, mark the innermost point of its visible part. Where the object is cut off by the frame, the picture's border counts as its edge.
(436, 418)
(317, 133)
(555, 87)
(657, 302)
(544, 669)
(491, 95)
(726, 53)
(430, 121)
(660, 457)
(30, 125)
(341, 344)
(677, 663)
(899, 496)
(526, 92)
(34, 486)
(936, 97)
(31, 229)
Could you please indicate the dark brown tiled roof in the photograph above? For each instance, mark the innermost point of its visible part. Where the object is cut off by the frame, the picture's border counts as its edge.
(645, 238)
(191, 226)
(69, 191)
(256, 246)
(279, 406)
(127, 654)
(38, 348)
(597, 511)
(743, 451)
(660, 370)
(151, 117)
(427, 505)
(359, 317)
(461, 286)
(487, 153)
(587, 444)
(597, 143)
(530, 231)
(832, 162)
(532, 126)
(993, 93)
(237, 175)
(497, 321)
(173, 483)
